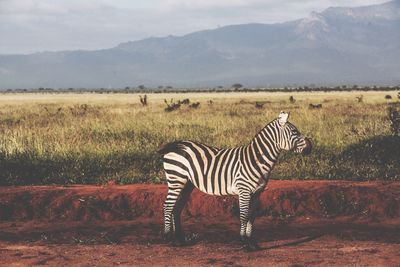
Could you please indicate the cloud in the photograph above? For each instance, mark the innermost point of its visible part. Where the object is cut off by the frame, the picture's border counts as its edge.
(5, 72)
(201, 5)
(36, 25)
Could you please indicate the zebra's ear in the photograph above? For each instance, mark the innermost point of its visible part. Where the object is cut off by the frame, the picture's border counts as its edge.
(283, 117)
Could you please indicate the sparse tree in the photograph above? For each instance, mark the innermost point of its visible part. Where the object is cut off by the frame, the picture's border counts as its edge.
(237, 85)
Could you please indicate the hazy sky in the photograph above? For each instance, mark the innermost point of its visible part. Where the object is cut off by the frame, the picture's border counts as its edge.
(37, 25)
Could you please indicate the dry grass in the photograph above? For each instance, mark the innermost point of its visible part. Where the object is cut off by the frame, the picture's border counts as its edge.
(92, 138)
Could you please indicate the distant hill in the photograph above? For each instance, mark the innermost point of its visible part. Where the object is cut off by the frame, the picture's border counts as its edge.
(337, 46)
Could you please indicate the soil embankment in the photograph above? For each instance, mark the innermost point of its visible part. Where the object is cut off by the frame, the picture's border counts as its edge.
(282, 199)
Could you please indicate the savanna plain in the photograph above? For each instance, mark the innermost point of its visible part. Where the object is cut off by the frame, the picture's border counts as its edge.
(93, 138)
(82, 183)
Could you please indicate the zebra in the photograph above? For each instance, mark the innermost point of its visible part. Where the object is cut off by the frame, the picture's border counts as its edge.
(242, 171)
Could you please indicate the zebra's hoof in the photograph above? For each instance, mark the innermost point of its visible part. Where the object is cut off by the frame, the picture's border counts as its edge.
(168, 237)
(186, 240)
(250, 244)
(191, 239)
(178, 242)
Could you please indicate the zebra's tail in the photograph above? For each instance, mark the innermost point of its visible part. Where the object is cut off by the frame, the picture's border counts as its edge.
(171, 147)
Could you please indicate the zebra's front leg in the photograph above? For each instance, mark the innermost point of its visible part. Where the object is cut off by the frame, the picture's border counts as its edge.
(252, 216)
(247, 203)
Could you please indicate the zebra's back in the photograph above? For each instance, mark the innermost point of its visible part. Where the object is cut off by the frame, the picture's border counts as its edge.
(210, 169)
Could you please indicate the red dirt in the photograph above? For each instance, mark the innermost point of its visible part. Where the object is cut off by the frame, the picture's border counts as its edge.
(300, 223)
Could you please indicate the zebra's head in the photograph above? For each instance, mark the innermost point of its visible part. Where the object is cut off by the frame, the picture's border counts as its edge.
(290, 136)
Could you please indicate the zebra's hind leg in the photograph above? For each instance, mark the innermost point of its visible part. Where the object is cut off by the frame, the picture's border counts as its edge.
(174, 191)
(180, 238)
(178, 193)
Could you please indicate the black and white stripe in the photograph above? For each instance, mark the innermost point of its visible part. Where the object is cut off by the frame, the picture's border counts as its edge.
(239, 171)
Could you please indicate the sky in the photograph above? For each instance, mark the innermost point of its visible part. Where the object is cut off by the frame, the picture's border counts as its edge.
(28, 26)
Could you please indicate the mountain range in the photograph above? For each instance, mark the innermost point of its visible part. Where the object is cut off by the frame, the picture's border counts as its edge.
(341, 45)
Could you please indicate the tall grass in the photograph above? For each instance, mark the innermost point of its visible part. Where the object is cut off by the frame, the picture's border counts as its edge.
(92, 138)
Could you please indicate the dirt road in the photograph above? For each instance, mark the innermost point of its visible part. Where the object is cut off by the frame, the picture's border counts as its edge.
(299, 224)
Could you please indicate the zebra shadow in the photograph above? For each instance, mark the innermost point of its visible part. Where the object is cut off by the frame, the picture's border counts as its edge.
(272, 234)
(269, 233)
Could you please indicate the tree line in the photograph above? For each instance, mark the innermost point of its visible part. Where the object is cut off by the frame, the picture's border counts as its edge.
(237, 87)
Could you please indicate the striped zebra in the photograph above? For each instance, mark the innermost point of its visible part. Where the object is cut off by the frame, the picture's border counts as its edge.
(242, 171)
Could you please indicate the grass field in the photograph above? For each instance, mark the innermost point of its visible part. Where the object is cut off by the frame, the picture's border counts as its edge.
(94, 138)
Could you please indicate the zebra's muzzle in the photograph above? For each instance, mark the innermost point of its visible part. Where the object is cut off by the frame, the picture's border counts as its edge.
(307, 149)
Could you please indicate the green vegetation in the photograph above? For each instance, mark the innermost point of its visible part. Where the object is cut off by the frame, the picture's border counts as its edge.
(93, 138)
